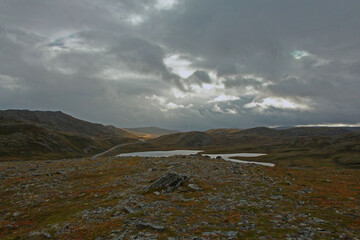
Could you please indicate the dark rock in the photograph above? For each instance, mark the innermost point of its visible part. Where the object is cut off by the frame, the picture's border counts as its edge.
(129, 209)
(143, 225)
(169, 182)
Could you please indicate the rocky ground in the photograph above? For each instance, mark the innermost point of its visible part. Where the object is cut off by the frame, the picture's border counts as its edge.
(202, 198)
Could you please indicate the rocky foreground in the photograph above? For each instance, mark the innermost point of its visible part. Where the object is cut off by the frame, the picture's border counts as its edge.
(179, 197)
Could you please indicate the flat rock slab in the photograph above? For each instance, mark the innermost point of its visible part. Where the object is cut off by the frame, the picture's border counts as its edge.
(128, 209)
(143, 225)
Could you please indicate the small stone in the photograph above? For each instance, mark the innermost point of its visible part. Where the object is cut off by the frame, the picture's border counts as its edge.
(277, 197)
(16, 214)
(194, 187)
(232, 234)
(11, 226)
(40, 234)
(210, 233)
(288, 183)
(129, 209)
(306, 191)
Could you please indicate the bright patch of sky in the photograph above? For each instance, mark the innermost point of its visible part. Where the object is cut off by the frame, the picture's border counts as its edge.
(165, 4)
(276, 102)
(9, 82)
(224, 98)
(299, 54)
(217, 108)
(172, 106)
(231, 111)
(179, 66)
(121, 73)
(164, 105)
(135, 19)
(330, 125)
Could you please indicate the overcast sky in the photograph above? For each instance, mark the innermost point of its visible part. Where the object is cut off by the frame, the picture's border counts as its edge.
(183, 64)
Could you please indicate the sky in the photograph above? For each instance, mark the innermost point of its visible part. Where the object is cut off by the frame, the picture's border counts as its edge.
(184, 64)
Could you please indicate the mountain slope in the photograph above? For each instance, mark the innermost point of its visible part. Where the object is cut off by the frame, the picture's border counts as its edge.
(30, 135)
(60, 121)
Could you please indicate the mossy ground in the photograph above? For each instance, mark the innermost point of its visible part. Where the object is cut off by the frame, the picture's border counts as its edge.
(84, 199)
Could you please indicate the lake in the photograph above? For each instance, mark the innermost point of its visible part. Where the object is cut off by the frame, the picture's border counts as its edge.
(226, 157)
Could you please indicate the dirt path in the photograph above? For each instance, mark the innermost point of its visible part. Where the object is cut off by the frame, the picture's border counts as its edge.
(113, 148)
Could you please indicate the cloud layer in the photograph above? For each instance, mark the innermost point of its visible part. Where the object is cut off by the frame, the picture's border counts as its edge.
(183, 64)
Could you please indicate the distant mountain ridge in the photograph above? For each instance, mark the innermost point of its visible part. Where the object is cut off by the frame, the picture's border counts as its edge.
(187, 139)
(259, 136)
(154, 131)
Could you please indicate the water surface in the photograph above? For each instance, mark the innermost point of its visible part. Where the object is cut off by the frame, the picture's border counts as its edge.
(226, 157)
(159, 153)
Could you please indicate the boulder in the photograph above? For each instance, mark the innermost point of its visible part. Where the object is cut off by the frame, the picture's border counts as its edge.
(168, 182)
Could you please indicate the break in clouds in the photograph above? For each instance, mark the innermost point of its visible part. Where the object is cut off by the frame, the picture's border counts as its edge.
(186, 64)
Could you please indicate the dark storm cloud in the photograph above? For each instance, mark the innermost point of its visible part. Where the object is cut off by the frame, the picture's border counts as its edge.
(251, 33)
(199, 77)
(183, 64)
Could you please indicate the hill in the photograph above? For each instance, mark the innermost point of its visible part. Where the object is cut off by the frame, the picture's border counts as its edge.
(26, 135)
(59, 121)
(150, 132)
(190, 139)
(296, 147)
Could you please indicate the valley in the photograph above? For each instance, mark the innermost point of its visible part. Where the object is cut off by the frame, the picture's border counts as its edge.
(52, 188)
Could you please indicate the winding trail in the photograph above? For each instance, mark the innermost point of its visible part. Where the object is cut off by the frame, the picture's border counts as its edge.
(120, 145)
